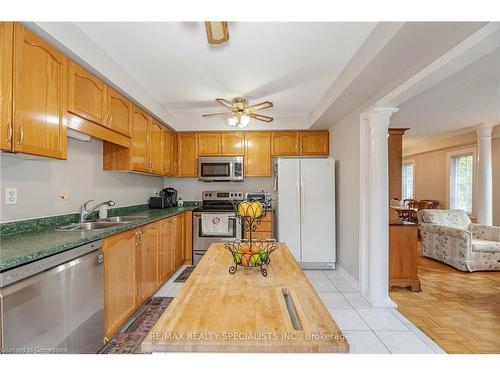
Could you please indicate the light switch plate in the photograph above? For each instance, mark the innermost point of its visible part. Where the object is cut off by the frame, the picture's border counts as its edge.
(10, 195)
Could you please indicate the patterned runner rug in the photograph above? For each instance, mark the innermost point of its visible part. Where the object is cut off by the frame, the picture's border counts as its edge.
(129, 339)
(184, 275)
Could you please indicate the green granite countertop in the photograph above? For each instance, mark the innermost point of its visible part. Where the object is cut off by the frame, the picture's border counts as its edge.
(21, 247)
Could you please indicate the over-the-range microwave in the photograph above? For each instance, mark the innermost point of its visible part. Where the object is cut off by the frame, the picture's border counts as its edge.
(220, 168)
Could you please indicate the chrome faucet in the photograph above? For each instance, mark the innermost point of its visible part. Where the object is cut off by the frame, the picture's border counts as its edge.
(85, 212)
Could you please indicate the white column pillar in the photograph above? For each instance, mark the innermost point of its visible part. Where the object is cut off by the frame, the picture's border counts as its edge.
(377, 291)
(484, 175)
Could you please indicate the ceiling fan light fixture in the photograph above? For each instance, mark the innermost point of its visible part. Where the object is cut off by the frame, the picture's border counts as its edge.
(244, 120)
(232, 120)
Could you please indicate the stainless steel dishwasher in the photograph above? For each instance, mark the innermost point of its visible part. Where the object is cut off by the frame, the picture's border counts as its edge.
(54, 305)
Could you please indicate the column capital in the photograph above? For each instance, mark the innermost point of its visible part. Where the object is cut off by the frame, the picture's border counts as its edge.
(485, 129)
(378, 119)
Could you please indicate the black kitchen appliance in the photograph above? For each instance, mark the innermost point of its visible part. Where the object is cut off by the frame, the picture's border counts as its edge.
(167, 198)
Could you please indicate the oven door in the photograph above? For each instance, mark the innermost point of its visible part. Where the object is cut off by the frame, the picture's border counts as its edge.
(202, 241)
(214, 169)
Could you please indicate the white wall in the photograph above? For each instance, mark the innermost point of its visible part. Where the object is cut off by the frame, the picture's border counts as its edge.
(38, 182)
(191, 188)
(344, 147)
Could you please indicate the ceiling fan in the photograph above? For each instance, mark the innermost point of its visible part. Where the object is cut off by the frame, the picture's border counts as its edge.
(240, 112)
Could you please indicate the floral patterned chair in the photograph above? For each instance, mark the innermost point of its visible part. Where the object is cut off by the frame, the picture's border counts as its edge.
(450, 237)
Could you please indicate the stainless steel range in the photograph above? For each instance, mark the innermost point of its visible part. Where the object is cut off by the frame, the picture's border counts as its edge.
(216, 207)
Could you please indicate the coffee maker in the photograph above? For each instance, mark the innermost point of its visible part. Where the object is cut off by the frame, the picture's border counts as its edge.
(167, 198)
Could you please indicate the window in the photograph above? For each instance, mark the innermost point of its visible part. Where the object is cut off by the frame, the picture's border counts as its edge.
(461, 181)
(408, 180)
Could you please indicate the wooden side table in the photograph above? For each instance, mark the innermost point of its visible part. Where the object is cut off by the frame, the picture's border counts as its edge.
(403, 254)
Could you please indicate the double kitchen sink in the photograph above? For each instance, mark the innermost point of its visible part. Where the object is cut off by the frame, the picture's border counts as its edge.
(100, 224)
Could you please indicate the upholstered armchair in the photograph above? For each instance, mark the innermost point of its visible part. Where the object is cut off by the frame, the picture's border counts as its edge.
(450, 237)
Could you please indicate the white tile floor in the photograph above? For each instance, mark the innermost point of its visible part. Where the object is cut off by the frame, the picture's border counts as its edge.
(369, 330)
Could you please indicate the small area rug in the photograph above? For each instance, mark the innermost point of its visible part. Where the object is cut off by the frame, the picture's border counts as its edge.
(184, 275)
(129, 339)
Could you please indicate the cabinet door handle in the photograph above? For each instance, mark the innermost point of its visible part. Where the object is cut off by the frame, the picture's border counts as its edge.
(110, 118)
(9, 134)
(136, 235)
(21, 135)
(140, 237)
(106, 119)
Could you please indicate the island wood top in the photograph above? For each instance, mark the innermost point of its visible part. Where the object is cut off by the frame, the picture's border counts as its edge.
(245, 312)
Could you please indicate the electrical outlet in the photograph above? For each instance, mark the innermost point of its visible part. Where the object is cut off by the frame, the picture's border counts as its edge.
(11, 196)
(63, 193)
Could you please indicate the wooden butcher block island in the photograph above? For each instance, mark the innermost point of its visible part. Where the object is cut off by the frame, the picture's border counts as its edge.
(246, 312)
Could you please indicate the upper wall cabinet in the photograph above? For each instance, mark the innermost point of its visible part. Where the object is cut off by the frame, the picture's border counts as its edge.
(209, 144)
(257, 154)
(187, 154)
(6, 49)
(314, 143)
(167, 150)
(232, 143)
(285, 143)
(120, 112)
(39, 96)
(87, 95)
(140, 139)
(154, 147)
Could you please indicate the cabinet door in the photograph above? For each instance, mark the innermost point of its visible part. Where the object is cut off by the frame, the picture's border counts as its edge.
(120, 112)
(257, 154)
(40, 92)
(147, 267)
(154, 149)
(179, 240)
(6, 48)
(232, 143)
(187, 151)
(87, 95)
(139, 149)
(167, 152)
(209, 144)
(285, 143)
(120, 286)
(165, 259)
(314, 143)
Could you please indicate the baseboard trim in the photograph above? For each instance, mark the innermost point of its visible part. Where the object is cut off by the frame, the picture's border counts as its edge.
(347, 276)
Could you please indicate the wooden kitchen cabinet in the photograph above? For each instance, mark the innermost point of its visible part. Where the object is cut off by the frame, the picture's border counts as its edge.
(166, 261)
(139, 146)
(167, 152)
(6, 50)
(264, 230)
(257, 154)
(232, 143)
(147, 261)
(209, 144)
(120, 284)
(314, 143)
(187, 154)
(285, 143)
(188, 237)
(39, 96)
(178, 222)
(87, 95)
(120, 112)
(154, 147)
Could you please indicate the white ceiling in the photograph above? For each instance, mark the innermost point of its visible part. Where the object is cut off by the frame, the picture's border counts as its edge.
(291, 64)
(467, 98)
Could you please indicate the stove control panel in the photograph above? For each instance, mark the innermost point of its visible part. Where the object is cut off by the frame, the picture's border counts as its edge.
(222, 195)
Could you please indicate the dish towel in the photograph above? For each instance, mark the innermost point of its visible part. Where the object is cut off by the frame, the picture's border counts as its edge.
(215, 224)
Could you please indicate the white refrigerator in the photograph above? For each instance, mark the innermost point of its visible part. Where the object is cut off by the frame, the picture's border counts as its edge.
(306, 210)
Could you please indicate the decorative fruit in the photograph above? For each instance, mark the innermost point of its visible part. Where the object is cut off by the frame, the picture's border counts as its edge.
(237, 256)
(254, 260)
(264, 255)
(255, 249)
(245, 260)
(250, 209)
(245, 248)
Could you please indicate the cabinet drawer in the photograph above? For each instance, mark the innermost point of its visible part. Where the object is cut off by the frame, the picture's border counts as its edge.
(259, 235)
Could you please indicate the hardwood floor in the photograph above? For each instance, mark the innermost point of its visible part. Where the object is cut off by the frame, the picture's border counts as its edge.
(459, 310)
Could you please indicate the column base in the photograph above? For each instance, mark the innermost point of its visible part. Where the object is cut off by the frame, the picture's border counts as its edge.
(385, 303)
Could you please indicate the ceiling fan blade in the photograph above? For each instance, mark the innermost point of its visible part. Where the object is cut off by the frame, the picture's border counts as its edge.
(263, 105)
(214, 114)
(260, 117)
(224, 102)
(217, 32)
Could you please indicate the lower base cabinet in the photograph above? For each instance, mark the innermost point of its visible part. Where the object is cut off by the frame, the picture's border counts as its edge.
(120, 284)
(137, 263)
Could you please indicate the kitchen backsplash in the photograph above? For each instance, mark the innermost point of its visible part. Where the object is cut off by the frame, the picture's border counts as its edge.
(38, 182)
